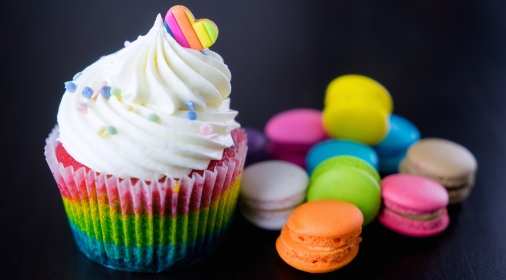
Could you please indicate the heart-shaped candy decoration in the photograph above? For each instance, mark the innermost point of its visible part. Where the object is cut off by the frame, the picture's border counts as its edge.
(189, 32)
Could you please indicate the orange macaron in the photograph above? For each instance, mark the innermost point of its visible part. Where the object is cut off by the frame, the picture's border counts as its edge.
(321, 236)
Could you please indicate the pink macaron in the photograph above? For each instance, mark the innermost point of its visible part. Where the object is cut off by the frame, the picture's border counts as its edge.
(292, 133)
(414, 205)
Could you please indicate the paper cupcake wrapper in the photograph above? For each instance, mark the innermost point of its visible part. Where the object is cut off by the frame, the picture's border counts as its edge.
(135, 225)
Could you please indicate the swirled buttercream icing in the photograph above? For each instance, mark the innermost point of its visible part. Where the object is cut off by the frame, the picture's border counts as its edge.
(143, 130)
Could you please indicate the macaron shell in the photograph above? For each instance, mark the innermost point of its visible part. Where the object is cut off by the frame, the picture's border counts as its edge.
(401, 135)
(442, 158)
(351, 185)
(302, 126)
(414, 192)
(414, 228)
(273, 180)
(358, 88)
(325, 218)
(349, 161)
(313, 261)
(361, 122)
(331, 148)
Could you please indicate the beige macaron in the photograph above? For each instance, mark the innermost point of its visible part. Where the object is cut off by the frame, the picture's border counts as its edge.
(444, 161)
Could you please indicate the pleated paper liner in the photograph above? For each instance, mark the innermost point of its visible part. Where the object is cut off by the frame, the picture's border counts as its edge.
(135, 225)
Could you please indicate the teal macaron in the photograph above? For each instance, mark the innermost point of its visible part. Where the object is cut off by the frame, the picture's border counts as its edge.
(349, 179)
(339, 147)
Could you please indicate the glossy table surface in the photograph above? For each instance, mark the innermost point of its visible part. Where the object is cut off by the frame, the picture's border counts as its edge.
(444, 63)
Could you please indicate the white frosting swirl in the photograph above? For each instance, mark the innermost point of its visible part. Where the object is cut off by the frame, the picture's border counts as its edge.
(156, 76)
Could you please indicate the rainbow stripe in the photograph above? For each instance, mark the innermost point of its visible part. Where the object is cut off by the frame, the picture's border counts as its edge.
(149, 237)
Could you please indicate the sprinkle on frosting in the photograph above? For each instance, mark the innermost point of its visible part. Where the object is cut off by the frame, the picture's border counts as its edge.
(153, 117)
(99, 90)
(212, 136)
(115, 91)
(87, 92)
(76, 76)
(82, 107)
(206, 129)
(101, 130)
(106, 92)
(127, 43)
(189, 105)
(192, 116)
(111, 130)
(71, 87)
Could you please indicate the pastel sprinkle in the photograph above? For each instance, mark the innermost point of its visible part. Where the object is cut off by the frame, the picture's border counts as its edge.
(106, 92)
(128, 96)
(111, 130)
(202, 51)
(87, 92)
(153, 117)
(189, 105)
(82, 107)
(192, 116)
(128, 107)
(206, 129)
(99, 90)
(212, 136)
(127, 43)
(77, 75)
(101, 130)
(115, 91)
(70, 87)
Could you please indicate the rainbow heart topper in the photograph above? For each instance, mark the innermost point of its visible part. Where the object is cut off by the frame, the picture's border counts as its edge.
(189, 32)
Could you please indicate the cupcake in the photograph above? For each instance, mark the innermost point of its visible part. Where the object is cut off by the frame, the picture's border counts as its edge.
(147, 155)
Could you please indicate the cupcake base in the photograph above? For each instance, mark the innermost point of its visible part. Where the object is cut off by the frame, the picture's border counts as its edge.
(142, 226)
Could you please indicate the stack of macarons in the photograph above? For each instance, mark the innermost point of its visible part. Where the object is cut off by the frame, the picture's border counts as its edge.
(344, 149)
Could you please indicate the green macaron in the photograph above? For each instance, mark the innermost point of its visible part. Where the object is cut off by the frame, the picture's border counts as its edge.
(352, 161)
(349, 179)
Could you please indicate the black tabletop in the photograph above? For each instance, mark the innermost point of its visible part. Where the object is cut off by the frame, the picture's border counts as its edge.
(443, 61)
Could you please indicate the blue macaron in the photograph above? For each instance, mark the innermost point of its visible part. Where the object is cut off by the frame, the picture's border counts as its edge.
(402, 134)
(332, 148)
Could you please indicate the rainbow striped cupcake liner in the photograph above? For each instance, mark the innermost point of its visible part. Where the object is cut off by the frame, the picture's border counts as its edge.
(140, 226)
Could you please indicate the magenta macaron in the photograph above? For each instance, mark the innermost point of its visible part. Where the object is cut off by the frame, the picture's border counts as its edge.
(413, 205)
(292, 133)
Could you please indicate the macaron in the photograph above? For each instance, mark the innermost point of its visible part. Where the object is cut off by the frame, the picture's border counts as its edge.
(270, 191)
(292, 133)
(413, 205)
(321, 236)
(349, 179)
(444, 161)
(331, 148)
(358, 88)
(359, 121)
(257, 145)
(401, 135)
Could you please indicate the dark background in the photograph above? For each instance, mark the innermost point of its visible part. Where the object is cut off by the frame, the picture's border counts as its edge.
(443, 61)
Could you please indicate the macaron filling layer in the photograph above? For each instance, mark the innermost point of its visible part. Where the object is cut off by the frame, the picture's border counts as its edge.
(325, 243)
(414, 227)
(424, 217)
